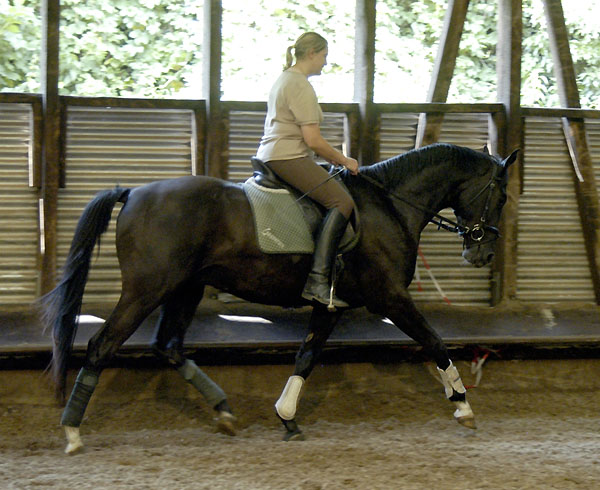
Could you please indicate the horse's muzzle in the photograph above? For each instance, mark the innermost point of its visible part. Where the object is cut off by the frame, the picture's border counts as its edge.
(480, 254)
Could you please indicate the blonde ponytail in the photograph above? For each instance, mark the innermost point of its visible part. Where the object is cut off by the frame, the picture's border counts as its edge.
(289, 59)
(303, 45)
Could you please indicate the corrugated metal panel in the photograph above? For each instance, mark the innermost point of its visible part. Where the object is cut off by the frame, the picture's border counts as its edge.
(397, 134)
(246, 130)
(462, 284)
(109, 146)
(552, 263)
(18, 207)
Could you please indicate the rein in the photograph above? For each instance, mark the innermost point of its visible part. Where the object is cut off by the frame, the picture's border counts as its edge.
(476, 233)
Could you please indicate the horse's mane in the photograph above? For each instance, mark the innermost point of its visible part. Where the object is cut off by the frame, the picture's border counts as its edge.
(399, 168)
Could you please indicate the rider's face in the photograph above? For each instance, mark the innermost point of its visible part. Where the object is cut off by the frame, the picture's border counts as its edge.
(319, 60)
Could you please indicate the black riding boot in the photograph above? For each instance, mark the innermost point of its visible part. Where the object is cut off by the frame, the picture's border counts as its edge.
(318, 285)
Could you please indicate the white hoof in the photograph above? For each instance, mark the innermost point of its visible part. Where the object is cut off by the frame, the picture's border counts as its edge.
(73, 439)
(464, 415)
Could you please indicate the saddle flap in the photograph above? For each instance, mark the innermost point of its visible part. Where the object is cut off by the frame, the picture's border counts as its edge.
(264, 176)
(265, 187)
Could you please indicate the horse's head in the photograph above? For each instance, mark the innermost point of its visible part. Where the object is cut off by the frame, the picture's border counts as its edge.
(480, 207)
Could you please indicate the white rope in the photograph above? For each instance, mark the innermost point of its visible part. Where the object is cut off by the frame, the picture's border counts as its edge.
(432, 277)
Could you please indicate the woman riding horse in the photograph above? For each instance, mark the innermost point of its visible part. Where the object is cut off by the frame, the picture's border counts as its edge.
(291, 135)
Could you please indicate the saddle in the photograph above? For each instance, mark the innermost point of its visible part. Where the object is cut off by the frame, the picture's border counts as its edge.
(285, 220)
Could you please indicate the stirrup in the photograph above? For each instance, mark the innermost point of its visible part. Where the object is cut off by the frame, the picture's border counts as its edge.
(331, 306)
(330, 300)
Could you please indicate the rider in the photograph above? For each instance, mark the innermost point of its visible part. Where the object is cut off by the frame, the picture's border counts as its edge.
(291, 135)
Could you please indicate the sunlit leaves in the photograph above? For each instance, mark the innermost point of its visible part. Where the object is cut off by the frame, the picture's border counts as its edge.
(19, 46)
(153, 48)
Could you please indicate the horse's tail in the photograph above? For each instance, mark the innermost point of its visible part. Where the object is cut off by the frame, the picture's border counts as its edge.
(61, 306)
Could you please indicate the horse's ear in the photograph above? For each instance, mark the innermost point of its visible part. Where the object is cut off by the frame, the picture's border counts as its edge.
(510, 159)
(485, 150)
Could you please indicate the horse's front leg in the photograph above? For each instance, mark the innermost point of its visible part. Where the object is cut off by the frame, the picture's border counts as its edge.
(405, 315)
(320, 328)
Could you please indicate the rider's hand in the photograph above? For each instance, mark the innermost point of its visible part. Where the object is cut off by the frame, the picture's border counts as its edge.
(352, 165)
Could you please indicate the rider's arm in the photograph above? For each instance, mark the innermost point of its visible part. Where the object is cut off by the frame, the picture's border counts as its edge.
(313, 138)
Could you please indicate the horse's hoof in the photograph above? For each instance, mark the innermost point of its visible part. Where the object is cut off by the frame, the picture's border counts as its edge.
(225, 423)
(294, 436)
(464, 415)
(468, 422)
(74, 440)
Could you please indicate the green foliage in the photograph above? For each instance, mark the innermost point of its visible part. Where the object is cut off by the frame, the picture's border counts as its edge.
(144, 48)
(256, 35)
(19, 45)
(153, 48)
(407, 43)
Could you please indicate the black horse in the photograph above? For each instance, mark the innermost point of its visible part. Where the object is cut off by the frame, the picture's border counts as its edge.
(176, 236)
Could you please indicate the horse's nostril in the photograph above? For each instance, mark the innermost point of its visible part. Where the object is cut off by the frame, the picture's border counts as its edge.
(490, 257)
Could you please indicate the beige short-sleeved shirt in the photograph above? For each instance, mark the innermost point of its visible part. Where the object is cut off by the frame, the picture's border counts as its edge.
(292, 103)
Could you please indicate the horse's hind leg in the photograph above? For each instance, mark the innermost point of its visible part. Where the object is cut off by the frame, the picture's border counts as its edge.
(176, 315)
(320, 328)
(123, 321)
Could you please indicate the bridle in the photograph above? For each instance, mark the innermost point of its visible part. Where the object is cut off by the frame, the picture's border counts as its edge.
(477, 232)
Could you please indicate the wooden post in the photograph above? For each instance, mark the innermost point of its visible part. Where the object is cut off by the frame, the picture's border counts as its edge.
(50, 142)
(35, 180)
(364, 80)
(575, 136)
(497, 132)
(352, 129)
(510, 33)
(430, 124)
(199, 144)
(211, 87)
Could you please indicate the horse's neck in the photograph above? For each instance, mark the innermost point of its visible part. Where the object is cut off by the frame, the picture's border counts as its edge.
(431, 191)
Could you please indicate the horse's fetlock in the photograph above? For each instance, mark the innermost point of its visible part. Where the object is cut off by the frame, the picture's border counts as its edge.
(223, 406)
(457, 397)
(172, 356)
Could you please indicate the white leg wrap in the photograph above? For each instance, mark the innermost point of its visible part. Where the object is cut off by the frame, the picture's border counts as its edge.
(286, 405)
(451, 380)
(73, 439)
